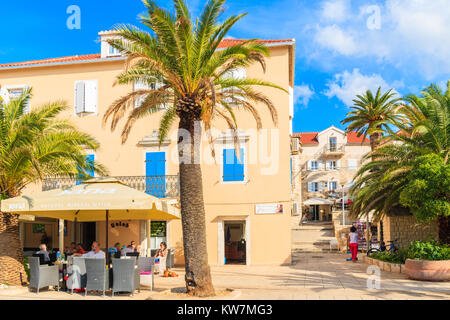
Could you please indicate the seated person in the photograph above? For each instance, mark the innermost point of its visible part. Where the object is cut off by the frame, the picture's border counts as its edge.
(43, 250)
(79, 249)
(126, 250)
(162, 254)
(72, 248)
(134, 247)
(115, 251)
(95, 253)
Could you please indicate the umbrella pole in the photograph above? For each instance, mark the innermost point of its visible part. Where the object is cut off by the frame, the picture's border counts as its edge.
(106, 230)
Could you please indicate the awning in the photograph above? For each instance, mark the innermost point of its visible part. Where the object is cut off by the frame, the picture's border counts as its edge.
(317, 201)
(88, 203)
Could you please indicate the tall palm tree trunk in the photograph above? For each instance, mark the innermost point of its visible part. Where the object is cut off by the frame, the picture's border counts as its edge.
(12, 271)
(198, 273)
(444, 230)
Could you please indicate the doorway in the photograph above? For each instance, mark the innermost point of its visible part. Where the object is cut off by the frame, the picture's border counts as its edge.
(235, 242)
(88, 234)
(315, 213)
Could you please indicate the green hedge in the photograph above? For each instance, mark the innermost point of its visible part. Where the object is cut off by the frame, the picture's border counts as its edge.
(418, 250)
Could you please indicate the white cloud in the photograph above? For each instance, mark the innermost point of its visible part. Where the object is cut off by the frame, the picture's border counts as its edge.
(302, 94)
(334, 38)
(413, 36)
(345, 86)
(335, 10)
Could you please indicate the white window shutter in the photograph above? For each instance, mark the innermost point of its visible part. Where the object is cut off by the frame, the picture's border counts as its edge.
(320, 164)
(328, 165)
(240, 73)
(310, 187)
(91, 96)
(320, 186)
(352, 164)
(338, 165)
(4, 95)
(28, 106)
(140, 85)
(79, 97)
(308, 164)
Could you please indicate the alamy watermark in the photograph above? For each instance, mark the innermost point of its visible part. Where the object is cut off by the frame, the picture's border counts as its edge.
(74, 19)
(374, 280)
(374, 20)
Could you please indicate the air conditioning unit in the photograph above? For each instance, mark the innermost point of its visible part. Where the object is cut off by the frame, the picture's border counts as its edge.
(296, 209)
(295, 145)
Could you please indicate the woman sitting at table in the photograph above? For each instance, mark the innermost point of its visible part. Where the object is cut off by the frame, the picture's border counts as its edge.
(162, 254)
(79, 249)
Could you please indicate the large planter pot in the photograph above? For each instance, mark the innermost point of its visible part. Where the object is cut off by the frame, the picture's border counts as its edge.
(428, 270)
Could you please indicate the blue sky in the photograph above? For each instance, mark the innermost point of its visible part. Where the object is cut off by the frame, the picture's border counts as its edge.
(343, 46)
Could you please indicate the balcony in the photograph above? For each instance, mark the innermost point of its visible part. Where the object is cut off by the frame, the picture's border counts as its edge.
(334, 149)
(158, 186)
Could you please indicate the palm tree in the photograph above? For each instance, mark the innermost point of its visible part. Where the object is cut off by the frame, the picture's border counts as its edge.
(425, 130)
(197, 86)
(372, 115)
(33, 146)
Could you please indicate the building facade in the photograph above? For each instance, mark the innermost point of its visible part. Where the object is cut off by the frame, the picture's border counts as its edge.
(248, 203)
(327, 162)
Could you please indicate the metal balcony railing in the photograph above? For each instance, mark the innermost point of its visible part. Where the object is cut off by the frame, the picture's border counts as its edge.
(338, 148)
(158, 186)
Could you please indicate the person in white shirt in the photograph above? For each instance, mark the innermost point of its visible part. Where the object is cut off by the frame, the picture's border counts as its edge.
(126, 250)
(95, 253)
(353, 243)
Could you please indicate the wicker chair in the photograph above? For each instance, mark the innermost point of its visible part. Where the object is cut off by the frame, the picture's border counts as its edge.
(97, 275)
(147, 264)
(77, 273)
(42, 276)
(125, 276)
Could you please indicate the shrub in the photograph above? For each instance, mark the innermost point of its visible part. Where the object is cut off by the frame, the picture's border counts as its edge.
(27, 267)
(430, 250)
(418, 250)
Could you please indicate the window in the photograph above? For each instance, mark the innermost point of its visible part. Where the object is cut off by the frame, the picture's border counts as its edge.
(333, 144)
(333, 164)
(332, 186)
(141, 85)
(113, 51)
(240, 74)
(86, 174)
(314, 165)
(86, 97)
(315, 186)
(352, 164)
(233, 169)
(158, 233)
(14, 92)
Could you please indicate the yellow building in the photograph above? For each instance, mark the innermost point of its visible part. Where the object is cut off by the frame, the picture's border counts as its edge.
(254, 206)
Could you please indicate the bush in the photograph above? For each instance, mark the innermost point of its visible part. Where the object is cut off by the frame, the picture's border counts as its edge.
(430, 250)
(418, 250)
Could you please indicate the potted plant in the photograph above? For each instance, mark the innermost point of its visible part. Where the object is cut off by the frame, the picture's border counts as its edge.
(428, 261)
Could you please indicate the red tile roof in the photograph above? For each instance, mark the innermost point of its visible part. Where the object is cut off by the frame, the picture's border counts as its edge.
(307, 137)
(311, 137)
(231, 42)
(53, 60)
(352, 137)
(224, 44)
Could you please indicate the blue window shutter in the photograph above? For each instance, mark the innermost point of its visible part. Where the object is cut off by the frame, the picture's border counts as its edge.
(233, 169)
(228, 165)
(239, 167)
(155, 171)
(90, 158)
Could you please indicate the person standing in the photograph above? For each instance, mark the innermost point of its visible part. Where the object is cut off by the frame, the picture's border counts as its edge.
(353, 243)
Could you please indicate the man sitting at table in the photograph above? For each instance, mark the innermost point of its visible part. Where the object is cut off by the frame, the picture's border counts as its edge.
(43, 250)
(95, 253)
(126, 250)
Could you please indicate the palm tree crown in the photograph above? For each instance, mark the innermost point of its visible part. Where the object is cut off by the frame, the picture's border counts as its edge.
(373, 114)
(194, 79)
(36, 145)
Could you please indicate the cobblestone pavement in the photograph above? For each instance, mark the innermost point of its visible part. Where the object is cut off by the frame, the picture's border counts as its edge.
(313, 276)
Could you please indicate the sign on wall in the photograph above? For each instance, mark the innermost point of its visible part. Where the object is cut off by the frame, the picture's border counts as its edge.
(269, 208)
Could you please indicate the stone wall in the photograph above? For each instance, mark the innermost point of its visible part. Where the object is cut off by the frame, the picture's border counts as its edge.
(406, 229)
